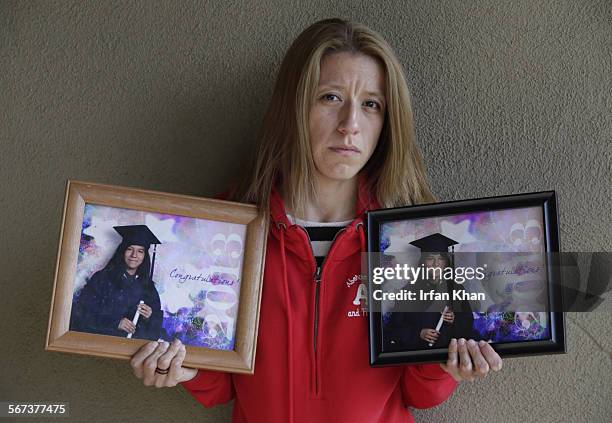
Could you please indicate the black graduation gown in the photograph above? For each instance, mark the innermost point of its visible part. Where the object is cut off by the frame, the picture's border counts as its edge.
(402, 331)
(108, 297)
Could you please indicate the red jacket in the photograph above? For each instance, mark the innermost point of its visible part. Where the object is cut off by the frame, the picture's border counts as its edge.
(293, 380)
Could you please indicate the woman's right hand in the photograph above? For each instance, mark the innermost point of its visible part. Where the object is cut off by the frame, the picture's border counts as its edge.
(429, 335)
(126, 325)
(155, 356)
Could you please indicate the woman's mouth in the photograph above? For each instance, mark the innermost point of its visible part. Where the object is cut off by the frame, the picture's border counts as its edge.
(346, 150)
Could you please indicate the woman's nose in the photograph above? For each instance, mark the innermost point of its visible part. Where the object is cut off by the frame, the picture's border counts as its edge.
(349, 120)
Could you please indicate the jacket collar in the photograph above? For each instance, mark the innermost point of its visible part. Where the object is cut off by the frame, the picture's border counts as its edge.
(365, 201)
(296, 238)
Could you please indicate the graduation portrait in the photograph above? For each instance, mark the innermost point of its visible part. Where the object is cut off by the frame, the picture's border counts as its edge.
(147, 266)
(474, 269)
(158, 277)
(120, 299)
(436, 315)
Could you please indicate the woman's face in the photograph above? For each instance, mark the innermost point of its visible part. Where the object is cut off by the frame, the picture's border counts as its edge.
(435, 261)
(133, 256)
(347, 114)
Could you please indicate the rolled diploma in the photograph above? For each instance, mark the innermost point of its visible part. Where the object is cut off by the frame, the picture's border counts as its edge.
(135, 319)
(439, 325)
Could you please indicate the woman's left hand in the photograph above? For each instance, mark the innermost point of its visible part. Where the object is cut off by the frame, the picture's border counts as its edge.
(468, 360)
(144, 310)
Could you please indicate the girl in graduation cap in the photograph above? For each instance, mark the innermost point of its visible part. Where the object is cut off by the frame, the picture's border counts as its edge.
(431, 323)
(108, 303)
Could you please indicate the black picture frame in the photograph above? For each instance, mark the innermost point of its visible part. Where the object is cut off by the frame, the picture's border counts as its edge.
(546, 200)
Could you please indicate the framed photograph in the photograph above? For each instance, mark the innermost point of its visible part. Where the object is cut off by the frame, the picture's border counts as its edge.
(483, 269)
(135, 266)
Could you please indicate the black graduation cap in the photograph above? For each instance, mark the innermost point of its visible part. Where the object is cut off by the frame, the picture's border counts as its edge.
(435, 243)
(137, 235)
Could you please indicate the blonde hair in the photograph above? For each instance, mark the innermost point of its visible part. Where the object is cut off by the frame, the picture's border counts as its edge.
(395, 172)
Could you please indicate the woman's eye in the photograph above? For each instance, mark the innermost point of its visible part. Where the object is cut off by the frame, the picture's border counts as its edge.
(371, 103)
(330, 97)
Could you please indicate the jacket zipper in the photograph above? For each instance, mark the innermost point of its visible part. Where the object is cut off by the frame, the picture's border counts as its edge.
(317, 280)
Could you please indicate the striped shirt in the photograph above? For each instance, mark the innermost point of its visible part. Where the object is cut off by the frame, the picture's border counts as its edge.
(321, 235)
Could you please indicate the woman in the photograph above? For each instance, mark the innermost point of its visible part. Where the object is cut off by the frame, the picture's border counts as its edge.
(337, 140)
(108, 302)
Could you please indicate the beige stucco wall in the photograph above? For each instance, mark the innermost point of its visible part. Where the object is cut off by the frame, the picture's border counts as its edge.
(509, 97)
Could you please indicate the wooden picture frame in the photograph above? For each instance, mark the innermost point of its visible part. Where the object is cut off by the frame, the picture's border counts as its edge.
(442, 221)
(249, 250)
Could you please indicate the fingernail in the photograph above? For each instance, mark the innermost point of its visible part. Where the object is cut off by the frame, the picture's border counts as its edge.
(472, 343)
(482, 343)
(453, 341)
(461, 341)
